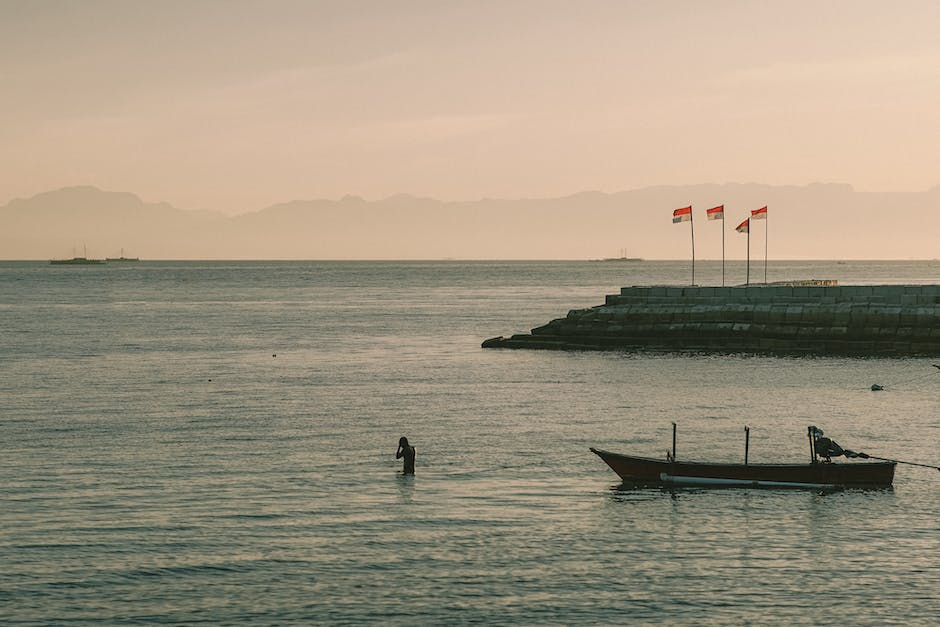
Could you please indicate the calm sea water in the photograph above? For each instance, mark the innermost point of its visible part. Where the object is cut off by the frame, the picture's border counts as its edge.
(214, 442)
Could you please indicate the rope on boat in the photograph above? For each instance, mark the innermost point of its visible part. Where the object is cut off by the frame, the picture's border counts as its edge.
(877, 387)
(896, 461)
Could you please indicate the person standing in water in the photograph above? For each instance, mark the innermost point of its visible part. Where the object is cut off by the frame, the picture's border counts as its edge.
(408, 452)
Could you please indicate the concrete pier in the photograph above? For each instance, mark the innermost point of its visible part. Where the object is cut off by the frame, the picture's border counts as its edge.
(800, 317)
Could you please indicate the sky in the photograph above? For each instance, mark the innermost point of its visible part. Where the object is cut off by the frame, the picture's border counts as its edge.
(233, 106)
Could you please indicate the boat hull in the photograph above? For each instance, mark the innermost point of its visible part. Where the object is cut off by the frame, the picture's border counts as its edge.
(819, 475)
(76, 261)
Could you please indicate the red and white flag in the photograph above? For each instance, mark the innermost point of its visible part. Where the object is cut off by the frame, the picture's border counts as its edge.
(744, 226)
(681, 215)
(759, 214)
(716, 213)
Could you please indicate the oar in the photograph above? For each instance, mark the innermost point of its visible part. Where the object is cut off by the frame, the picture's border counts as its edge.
(896, 461)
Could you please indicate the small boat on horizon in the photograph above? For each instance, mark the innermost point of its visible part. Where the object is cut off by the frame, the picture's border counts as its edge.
(818, 474)
(122, 258)
(622, 257)
(77, 261)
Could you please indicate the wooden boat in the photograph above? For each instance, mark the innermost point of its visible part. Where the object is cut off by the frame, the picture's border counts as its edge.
(816, 474)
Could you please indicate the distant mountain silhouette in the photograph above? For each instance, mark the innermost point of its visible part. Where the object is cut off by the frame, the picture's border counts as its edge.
(818, 221)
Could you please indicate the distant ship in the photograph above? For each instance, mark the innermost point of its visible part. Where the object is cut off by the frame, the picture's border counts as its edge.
(122, 258)
(622, 257)
(77, 261)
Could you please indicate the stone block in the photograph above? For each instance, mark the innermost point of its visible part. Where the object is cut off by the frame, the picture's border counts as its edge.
(908, 317)
(859, 313)
(768, 343)
(927, 316)
(724, 328)
(744, 314)
(811, 316)
(662, 315)
(699, 313)
(841, 317)
(681, 315)
(892, 313)
(863, 347)
(707, 329)
(762, 313)
(891, 293)
(901, 348)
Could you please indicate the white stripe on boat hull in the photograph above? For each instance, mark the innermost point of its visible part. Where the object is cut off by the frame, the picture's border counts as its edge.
(739, 483)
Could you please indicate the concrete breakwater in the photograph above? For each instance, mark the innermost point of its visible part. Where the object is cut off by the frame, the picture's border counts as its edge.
(799, 317)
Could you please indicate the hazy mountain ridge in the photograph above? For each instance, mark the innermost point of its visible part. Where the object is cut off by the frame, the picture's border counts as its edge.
(815, 221)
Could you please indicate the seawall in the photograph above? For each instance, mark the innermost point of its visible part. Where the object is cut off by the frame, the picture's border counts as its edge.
(801, 317)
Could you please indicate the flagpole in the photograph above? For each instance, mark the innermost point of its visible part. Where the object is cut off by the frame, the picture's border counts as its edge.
(766, 225)
(692, 230)
(722, 248)
(747, 280)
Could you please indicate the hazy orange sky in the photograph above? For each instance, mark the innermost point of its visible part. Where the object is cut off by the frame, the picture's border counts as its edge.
(234, 106)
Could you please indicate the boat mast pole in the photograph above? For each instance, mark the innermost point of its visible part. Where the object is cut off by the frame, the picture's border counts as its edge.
(810, 433)
(673, 441)
(747, 442)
